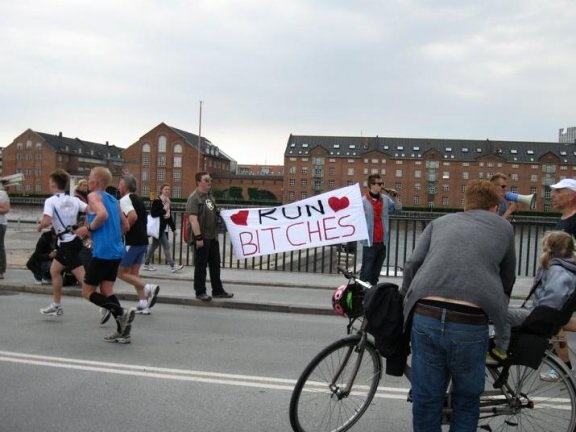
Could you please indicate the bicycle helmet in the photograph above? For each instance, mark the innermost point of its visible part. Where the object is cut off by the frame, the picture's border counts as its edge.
(347, 300)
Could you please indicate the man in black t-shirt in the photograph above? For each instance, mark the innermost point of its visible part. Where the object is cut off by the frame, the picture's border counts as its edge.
(564, 199)
(136, 245)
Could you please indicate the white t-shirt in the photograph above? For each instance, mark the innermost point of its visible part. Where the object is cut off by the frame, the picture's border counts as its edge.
(4, 199)
(126, 204)
(68, 208)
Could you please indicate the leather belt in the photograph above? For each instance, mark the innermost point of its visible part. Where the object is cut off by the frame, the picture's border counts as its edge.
(451, 316)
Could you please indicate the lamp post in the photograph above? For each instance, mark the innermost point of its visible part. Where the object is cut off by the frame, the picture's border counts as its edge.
(199, 138)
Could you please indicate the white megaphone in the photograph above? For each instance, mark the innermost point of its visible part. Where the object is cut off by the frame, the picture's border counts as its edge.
(12, 180)
(529, 200)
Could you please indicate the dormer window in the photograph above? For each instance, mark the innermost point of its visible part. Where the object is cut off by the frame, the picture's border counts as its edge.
(336, 145)
(562, 153)
(464, 149)
(530, 152)
(416, 148)
(293, 145)
(514, 151)
(385, 147)
(448, 149)
(305, 145)
(400, 148)
(352, 146)
(478, 150)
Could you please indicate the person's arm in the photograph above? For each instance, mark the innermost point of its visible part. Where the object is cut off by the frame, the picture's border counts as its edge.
(4, 207)
(512, 207)
(193, 207)
(508, 267)
(394, 204)
(96, 205)
(157, 209)
(417, 258)
(46, 220)
(131, 217)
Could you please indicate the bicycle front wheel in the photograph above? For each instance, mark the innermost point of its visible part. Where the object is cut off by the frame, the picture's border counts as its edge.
(541, 400)
(320, 402)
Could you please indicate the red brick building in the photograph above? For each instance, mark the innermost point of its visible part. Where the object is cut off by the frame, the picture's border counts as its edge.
(426, 172)
(262, 170)
(169, 155)
(37, 154)
(253, 187)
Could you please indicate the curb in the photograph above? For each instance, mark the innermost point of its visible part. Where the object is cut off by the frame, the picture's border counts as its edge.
(182, 301)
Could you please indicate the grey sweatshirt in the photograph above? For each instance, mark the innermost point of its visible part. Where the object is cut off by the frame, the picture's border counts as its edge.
(555, 284)
(467, 256)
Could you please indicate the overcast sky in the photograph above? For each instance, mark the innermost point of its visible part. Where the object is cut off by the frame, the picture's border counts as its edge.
(112, 69)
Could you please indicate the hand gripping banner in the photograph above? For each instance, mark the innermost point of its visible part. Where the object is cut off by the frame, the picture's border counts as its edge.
(330, 218)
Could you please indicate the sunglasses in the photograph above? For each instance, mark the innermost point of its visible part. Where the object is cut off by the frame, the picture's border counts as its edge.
(378, 183)
(207, 180)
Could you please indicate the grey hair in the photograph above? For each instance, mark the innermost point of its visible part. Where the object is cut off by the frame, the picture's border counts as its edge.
(130, 182)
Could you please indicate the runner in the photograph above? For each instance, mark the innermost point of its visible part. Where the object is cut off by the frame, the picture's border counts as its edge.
(61, 211)
(105, 223)
(136, 245)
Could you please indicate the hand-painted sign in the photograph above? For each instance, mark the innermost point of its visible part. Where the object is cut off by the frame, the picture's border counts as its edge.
(329, 218)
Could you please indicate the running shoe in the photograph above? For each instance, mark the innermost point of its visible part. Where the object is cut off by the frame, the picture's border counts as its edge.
(152, 291)
(53, 310)
(117, 338)
(105, 315)
(142, 310)
(222, 295)
(125, 321)
(148, 267)
(176, 268)
(551, 375)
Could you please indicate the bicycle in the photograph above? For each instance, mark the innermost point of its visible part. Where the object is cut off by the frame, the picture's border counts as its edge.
(338, 385)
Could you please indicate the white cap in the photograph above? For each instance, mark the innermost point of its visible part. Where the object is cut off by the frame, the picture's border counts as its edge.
(565, 184)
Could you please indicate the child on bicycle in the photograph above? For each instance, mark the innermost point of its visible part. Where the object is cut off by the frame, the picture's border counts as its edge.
(554, 284)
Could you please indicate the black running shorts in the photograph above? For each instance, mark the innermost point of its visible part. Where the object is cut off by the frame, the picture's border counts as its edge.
(68, 254)
(99, 270)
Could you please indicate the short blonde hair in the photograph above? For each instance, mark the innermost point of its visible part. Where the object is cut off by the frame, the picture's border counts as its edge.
(103, 175)
(556, 244)
(481, 195)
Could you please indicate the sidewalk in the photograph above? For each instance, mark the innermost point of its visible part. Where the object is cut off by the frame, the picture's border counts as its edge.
(307, 293)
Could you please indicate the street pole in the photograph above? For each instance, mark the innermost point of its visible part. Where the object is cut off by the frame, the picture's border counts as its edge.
(199, 138)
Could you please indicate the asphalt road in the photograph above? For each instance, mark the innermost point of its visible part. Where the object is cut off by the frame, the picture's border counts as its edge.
(187, 369)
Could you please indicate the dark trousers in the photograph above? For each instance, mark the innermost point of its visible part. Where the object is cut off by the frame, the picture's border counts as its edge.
(372, 260)
(208, 255)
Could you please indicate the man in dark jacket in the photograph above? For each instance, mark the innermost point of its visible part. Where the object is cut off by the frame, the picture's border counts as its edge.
(39, 262)
(161, 209)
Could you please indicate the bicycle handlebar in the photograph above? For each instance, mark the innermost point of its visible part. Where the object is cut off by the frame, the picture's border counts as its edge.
(351, 276)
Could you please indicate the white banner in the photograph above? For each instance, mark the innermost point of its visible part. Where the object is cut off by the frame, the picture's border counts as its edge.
(330, 218)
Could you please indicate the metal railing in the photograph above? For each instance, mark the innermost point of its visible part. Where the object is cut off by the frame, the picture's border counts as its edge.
(404, 232)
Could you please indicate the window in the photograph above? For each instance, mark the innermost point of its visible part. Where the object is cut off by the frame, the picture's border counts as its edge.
(304, 182)
(398, 173)
(514, 151)
(336, 146)
(177, 175)
(160, 175)
(38, 188)
(145, 159)
(19, 146)
(444, 201)
(374, 171)
(177, 161)
(38, 146)
(547, 193)
(303, 195)
(432, 164)
(445, 175)
(178, 148)
(176, 191)
(292, 170)
(304, 145)
(145, 189)
(365, 171)
(563, 168)
(514, 189)
(533, 178)
(417, 174)
(38, 156)
(330, 171)
(465, 175)
(480, 175)
(350, 171)
(399, 162)
(292, 182)
(514, 176)
(431, 188)
(515, 166)
(318, 161)
(463, 188)
(352, 146)
(374, 161)
(490, 164)
(416, 200)
(383, 171)
(145, 148)
(162, 144)
(478, 150)
(534, 166)
(546, 168)
(446, 163)
(448, 149)
(445, 187)
(533, 190)
(349, 182)
(331, 183)
(304, 171)
(291, 196)
(144, 175)
(417, 186)
(162, 160)
(28, 144)
(530, 152)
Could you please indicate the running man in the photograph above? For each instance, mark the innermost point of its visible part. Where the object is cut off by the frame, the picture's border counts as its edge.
(61, 211)
(105, 224)
(136, 239)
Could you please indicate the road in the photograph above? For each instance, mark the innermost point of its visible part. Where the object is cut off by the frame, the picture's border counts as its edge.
(187, 369)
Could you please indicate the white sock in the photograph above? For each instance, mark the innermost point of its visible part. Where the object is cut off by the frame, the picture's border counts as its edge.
(56, 304)
(142, 304)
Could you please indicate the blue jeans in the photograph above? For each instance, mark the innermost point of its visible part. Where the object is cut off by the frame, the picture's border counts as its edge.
(372, 260)
(442, 351)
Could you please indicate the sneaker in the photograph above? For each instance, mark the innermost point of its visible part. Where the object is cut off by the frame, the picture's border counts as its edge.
(53, 310)
(222, 295)
(142, 310)
(37, 281)
(148, 267)
(125, 321)
(105, 315)
(117, 338)
(551, 375)
(204, 297)
(46, 282)
(176, 268)
(152, 293)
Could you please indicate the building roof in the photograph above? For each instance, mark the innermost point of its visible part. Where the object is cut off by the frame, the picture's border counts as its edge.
(416, 148)
(207, 147)
(77, 146)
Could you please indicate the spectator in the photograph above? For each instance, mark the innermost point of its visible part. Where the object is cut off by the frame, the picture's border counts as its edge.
(40, 261)
(505, 209)
(4, 208)
(136, 246)
(203, 218)
(460, 275)
(105, 224)
(81, 191)
(377, 208)
(161, 208)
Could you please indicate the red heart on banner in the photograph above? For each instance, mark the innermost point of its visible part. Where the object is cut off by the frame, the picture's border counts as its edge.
(240, 218)
(337, 204)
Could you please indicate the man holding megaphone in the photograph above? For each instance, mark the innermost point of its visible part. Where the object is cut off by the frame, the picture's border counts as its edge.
(508, 201)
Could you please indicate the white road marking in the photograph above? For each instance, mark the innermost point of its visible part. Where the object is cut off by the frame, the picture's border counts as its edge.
(178, 374)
